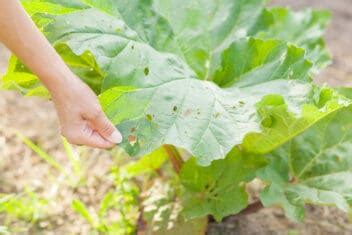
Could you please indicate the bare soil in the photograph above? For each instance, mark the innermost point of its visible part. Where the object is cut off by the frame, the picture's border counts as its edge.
(35, 118)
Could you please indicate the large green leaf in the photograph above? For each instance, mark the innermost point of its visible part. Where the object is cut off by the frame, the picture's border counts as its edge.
(196, 115)
(313, 168)
(157, 98)
(218, 189)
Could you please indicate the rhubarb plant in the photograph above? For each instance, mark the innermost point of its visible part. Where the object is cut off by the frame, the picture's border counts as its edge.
(226, 85)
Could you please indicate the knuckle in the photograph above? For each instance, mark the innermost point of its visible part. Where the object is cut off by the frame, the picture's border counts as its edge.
(96, 113)
(107, 129)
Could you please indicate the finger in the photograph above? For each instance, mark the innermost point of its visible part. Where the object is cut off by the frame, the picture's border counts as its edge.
(88, 137)
(95, 140)
(101, 124)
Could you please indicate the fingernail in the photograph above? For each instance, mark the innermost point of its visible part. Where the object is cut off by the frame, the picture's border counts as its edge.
(115, 137)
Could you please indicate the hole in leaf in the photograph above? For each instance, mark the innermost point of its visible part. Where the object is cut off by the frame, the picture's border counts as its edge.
(132, 139)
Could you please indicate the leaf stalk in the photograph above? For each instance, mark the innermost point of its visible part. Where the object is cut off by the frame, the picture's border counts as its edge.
(174, 156)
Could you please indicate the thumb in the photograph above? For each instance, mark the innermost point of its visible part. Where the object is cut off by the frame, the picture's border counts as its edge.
(106, 129)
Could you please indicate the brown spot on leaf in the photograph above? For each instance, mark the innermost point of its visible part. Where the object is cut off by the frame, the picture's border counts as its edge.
(132, 139)
(146, 71)
(187, 113)
(149, 117)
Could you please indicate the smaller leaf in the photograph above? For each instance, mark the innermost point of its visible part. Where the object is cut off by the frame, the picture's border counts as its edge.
(81, 209)
(147, 163)
(162, 211)
(105, 204)
(279, 125)
(218, 189)
(19, 78)
(313, 168)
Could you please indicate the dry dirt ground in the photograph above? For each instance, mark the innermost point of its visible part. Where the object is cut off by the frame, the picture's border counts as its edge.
(35, 118)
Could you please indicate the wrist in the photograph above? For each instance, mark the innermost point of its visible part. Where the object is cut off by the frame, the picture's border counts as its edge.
(61, 83)
(55, 76)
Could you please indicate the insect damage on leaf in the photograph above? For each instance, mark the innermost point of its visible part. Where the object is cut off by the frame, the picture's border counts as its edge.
(132, 139)
(187, 113)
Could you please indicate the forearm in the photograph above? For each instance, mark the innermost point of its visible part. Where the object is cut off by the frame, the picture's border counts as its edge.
(81, 118)
(22, 37)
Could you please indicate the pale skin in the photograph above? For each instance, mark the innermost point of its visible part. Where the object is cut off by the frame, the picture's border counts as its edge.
(81, 118)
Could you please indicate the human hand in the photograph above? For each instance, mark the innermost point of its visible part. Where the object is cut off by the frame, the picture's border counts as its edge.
(81, 118)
